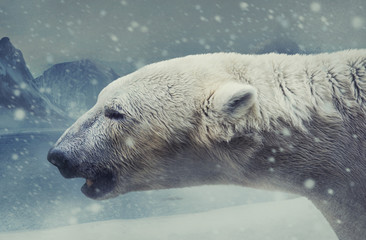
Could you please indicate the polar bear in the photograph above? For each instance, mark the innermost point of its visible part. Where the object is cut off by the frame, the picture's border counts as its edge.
(290, 123)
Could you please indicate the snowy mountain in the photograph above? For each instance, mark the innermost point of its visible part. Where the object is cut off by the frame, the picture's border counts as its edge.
(21, 104)
(74, 86)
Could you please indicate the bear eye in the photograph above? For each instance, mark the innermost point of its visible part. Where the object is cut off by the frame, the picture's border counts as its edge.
(113, 114)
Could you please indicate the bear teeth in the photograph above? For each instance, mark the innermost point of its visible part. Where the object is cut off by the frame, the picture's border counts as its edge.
(89, 182)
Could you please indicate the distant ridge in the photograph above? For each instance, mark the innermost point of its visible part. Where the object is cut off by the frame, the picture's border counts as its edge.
(21, 104)
(74, 86)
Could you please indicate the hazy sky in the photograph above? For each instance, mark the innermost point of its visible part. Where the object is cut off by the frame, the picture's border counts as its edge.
(140, 32)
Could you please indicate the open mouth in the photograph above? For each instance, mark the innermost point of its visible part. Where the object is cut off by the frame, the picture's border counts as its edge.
(99, 186)
(96, 185)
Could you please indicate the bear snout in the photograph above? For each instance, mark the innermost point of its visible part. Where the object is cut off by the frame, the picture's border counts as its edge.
(64, 163)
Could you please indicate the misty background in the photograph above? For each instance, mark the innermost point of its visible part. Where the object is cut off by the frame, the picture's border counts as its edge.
(141, 32)
(56, 55)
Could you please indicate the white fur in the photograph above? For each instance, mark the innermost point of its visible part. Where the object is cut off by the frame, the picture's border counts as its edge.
(298, 74)
(285, 87)
(231, 90)
(184, 120)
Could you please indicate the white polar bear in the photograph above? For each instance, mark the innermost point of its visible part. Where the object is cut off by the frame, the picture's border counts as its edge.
(290, 123)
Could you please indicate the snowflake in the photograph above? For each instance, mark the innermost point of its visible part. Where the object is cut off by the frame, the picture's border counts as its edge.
(19, 114)
(244, 6)
(357, 22)
(315, 7)
(309, 183)
(113, 37)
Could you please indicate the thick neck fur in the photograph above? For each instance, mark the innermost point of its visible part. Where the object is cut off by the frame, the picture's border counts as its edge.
(307, 137)
(326, 164)
(310, 137)
(291, 87)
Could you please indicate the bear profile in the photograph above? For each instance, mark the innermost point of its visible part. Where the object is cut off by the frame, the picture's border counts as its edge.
(289, 123)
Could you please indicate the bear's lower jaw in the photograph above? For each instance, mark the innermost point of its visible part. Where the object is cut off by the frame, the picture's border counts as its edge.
(99, 186)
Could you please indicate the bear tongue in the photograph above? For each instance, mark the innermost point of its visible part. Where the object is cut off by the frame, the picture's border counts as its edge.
(89, 182)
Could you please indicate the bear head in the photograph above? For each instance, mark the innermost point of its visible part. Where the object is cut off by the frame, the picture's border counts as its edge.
(157, 128)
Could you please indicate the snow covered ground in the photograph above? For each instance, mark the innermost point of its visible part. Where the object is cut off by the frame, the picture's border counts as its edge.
(295, 219)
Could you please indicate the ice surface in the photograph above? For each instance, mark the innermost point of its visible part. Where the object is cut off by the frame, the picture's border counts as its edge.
(290, 219)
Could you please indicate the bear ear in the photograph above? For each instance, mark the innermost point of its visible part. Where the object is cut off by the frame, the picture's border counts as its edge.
(231, 108)
(233, 99)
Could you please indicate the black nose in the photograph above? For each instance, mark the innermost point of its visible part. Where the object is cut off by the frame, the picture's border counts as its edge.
(56, 157)
(64, 163)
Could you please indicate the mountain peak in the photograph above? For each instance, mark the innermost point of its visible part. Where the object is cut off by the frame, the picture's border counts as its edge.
(74, 86)
(4, 40)
(18, 93)
(13, 58)
(6, 47)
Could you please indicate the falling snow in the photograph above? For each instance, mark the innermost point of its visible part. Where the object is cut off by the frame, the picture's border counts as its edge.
(103, 13)
(94, 208)
(315, 7)
(358, 22)
(126, 35)
(14, 156)
(244, 6)
(218, 18)
(19, 114)
(309, 183)
(114, 38)
(286, 132)
(17, 92)
(130, 142)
